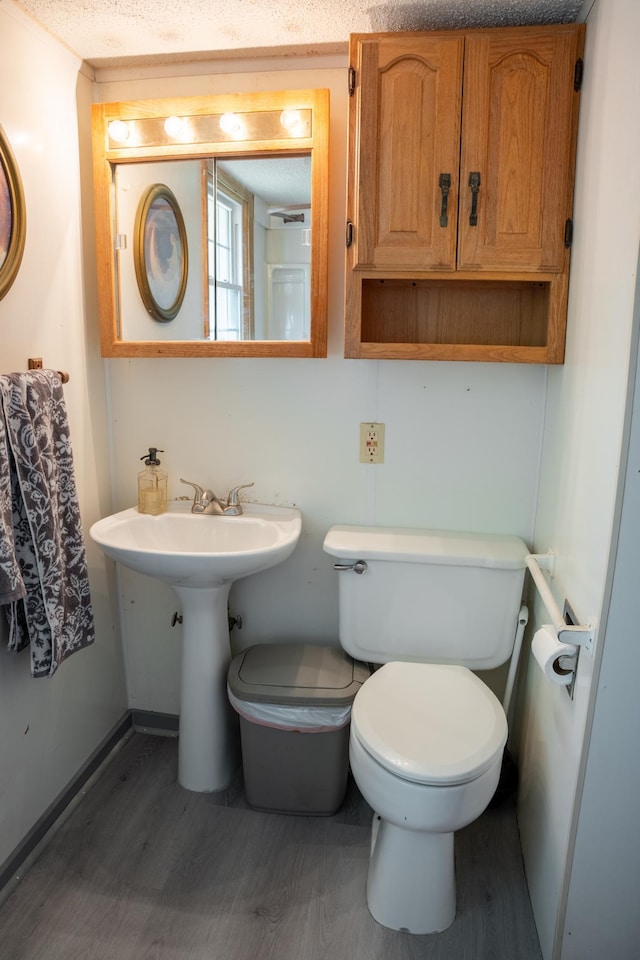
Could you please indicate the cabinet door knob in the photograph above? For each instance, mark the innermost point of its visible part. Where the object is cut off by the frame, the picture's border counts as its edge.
(474, 184)
(444, 183)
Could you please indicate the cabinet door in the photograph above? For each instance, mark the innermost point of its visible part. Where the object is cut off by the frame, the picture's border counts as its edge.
(518, 136)
(406, 134)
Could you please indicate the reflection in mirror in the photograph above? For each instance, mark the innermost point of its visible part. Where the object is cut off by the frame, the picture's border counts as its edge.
(260, 249)
(247, 178)
(135, 320)
(248, 237)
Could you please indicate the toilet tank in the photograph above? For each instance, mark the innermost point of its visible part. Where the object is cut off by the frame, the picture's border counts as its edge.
(431, 596)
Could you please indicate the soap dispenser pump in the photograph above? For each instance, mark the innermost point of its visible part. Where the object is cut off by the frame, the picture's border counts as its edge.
(152, 485)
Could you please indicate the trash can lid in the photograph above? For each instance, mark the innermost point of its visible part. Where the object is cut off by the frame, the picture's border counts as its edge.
(296, 674)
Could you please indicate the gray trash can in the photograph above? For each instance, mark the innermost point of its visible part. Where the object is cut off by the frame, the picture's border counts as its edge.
(294, 703)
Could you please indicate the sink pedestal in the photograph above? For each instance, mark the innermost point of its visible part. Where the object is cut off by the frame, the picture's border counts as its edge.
(208, 749)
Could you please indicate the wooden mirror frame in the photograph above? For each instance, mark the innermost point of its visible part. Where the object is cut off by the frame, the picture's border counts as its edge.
(106, 155)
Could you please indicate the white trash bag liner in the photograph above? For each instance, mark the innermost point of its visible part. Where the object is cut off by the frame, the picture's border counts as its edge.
(302, 719)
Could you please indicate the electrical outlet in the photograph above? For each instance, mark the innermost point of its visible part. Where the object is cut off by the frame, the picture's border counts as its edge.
(372, 443)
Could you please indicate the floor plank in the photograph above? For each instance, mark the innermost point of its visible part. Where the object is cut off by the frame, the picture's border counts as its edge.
(144, 870)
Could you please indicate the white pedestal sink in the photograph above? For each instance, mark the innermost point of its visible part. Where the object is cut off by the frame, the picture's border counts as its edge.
(201, 556)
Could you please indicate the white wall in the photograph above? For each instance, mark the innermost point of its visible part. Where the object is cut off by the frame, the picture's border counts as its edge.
(462, 440)
(582, 443)
(602, 906)
(51, 726)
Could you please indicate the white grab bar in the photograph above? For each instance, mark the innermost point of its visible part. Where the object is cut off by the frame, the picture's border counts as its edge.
(580, 634)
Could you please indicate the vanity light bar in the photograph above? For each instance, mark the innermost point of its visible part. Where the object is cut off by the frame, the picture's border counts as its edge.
(211, 128)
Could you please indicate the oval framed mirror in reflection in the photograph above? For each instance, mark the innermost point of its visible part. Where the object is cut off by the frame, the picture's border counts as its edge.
(249, 175)
(161, 256)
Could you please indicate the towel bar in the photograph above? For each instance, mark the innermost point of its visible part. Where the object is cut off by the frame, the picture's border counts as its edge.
(35, 363)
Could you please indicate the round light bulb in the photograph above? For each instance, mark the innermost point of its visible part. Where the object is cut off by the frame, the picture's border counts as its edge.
(174, 127)
(119, 131)
(230, 123)
(290, 119)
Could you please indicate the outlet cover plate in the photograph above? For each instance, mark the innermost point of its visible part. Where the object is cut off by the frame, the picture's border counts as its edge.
(372, 443)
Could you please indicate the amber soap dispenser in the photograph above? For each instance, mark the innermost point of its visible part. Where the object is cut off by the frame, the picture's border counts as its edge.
(152, 485)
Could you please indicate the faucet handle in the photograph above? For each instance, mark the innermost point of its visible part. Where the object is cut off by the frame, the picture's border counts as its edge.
(234, 507)
(233, 500)
(202, 498)
(204, 501)
(199, 491)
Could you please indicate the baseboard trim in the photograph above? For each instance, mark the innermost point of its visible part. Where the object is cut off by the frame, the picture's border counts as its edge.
(11, 867)
(148, 721)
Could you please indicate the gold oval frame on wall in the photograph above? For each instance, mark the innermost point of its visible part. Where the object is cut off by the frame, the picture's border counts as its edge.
(13, 220)
(161, 256)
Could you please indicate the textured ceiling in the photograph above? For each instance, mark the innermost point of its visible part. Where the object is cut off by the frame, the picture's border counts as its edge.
(279, 181)
(106, 32)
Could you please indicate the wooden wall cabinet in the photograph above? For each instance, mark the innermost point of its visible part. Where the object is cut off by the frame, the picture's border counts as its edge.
(461, 159)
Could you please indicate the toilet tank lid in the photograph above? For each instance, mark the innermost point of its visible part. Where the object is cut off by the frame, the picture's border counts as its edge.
(446, 547)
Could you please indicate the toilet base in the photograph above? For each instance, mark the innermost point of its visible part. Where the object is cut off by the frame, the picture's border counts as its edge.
(411, 883)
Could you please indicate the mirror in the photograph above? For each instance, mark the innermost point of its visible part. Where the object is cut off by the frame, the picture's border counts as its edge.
(211, 220)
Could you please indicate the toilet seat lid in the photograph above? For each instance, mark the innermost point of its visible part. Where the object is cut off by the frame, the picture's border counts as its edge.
(429, 723)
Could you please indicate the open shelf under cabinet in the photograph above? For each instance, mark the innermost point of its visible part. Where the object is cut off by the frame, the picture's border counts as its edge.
(503, 320)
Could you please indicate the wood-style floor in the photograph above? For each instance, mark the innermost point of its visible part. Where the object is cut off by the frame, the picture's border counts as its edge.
(145, 870)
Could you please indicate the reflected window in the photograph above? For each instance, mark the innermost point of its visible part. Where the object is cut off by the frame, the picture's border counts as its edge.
(228, 297)
(231, 253)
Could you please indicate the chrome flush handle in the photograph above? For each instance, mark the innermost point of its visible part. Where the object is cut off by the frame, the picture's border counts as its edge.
(358, 567)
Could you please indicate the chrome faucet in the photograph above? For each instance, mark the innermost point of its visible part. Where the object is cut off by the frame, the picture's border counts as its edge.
(206, 502)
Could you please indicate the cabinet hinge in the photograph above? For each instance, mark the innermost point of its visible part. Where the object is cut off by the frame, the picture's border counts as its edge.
(349, 234)
(578, 74)
(568, 233)
(352, 81)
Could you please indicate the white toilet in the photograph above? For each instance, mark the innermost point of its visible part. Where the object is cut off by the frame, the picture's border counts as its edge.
(427, 736)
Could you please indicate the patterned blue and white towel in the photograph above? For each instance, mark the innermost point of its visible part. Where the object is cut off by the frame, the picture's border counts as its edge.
(43, 571)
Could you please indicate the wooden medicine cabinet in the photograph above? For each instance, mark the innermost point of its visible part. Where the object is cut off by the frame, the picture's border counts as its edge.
(460, 192)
